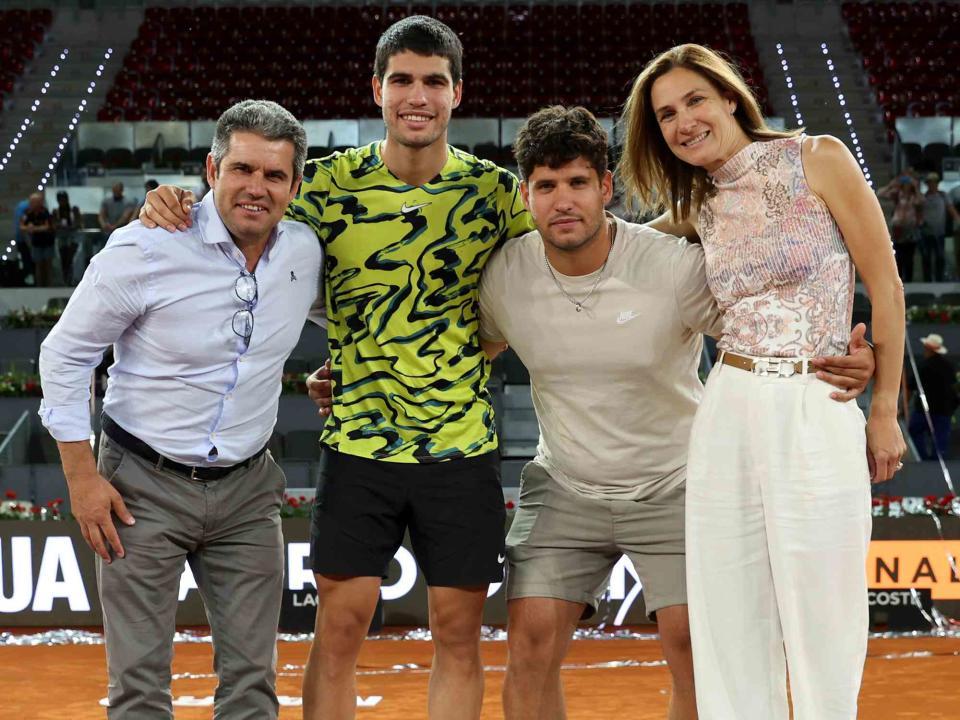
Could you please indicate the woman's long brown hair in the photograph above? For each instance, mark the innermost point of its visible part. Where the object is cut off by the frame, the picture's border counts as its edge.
(653, 176)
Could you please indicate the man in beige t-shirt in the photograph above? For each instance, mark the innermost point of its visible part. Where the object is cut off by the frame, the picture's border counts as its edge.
(608, 318)
(615, 385)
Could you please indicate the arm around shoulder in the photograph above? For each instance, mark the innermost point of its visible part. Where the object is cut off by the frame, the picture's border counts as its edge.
(517, 219)
(684, 228)
(167, 206)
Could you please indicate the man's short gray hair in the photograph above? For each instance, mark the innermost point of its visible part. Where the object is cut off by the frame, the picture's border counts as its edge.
(265, 118)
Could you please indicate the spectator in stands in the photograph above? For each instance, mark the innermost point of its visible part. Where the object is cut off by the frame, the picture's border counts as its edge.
(954, 197)
(938, 378)
(190, 405)
(67, 220)
(115, 211)
(778, 476)
(904, 191)
(37, 226)
(937, 210)
(23, 243)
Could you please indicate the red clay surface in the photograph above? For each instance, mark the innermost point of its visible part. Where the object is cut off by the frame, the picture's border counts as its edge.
(904, 678)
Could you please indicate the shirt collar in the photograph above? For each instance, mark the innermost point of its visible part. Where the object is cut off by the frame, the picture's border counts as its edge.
(207, 220)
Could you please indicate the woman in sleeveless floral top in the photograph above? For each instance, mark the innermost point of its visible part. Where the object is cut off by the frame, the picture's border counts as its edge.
(778, 476)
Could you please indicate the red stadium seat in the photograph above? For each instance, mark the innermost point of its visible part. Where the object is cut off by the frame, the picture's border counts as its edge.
(20, 33)
(518, 56)
(904, 79)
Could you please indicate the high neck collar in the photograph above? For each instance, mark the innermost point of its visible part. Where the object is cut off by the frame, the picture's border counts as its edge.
(736, 165)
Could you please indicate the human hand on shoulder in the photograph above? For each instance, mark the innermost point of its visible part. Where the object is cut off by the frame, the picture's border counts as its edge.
(168, 206)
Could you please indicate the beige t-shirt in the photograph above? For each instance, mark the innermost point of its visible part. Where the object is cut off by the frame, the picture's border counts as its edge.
(615, 387)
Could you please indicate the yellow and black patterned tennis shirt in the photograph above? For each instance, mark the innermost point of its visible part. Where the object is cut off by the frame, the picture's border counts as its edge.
(403, 264)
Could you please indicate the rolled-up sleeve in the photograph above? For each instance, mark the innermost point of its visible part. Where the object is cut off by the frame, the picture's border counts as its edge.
(108, 300)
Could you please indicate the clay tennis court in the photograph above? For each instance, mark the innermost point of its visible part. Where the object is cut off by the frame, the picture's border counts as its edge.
(906, 677)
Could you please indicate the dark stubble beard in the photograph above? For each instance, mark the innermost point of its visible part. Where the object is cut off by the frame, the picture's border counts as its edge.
(586, 241)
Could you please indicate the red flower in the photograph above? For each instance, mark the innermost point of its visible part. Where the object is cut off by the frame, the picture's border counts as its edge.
(303, 498)
(877, 502)
(11, 495)
(509, 505)
(293, 502)
(944, 316)
(35, 510)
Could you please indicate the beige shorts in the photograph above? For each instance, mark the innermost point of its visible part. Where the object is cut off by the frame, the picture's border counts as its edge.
(563, 545)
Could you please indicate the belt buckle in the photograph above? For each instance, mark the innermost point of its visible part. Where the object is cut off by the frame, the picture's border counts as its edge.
(193, 473)
(767, 367)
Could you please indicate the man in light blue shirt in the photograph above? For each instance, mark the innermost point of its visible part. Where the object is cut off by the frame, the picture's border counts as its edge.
(201, 324)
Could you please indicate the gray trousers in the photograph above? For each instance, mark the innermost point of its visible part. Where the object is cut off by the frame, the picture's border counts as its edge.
(229, 531)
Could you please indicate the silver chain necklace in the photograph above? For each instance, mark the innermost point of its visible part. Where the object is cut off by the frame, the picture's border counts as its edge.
(578, 304)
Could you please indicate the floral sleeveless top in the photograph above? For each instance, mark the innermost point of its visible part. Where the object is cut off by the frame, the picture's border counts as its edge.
(776, 261)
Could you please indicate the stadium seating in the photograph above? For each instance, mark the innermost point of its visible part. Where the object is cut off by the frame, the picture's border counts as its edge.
(20, 33)
(909, 53)
(190, 63)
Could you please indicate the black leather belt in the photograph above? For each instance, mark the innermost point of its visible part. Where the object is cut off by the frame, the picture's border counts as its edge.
(138, 447)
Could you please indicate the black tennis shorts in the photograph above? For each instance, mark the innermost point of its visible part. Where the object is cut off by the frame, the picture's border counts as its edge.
(453, 510)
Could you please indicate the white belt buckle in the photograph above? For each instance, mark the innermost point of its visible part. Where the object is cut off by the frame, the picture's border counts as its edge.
(773, 366)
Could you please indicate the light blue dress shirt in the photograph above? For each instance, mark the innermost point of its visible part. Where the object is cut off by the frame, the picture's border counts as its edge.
(183, 381)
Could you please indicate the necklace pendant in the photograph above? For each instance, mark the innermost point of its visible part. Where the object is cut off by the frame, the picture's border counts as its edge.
(579, 307)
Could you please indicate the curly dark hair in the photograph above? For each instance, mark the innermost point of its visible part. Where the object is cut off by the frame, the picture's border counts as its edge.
(557, 135)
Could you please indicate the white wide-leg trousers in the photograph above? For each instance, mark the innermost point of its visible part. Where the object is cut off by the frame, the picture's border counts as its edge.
(778, 527)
